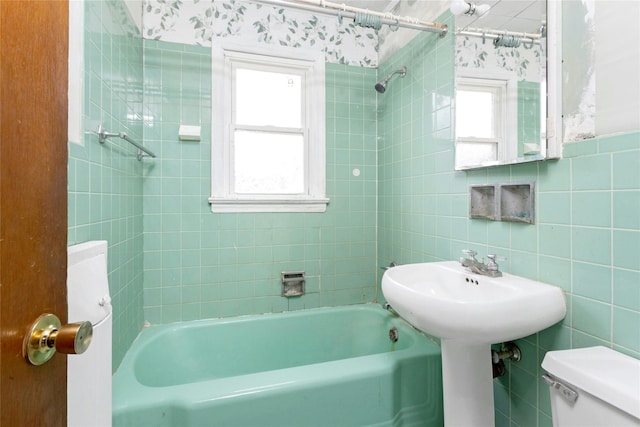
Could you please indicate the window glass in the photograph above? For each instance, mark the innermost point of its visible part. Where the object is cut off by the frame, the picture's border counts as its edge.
(268, 163)
(475, 153)
(265, 98)
(475, 114)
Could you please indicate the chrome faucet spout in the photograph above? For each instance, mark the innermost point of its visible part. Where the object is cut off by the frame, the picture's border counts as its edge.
(490, 269)
(465, 262)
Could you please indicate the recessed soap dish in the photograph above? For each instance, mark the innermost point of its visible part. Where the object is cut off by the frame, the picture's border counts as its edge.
(502, 202)
(516, 202)
(482, 201)
(292, 283)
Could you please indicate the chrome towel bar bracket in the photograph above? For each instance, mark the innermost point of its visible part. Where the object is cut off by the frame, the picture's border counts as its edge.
(142, 151)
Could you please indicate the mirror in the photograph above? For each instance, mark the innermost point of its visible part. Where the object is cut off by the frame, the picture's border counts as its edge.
(501, 104)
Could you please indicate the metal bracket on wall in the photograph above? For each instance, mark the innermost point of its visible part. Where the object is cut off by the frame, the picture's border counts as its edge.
(142, 151)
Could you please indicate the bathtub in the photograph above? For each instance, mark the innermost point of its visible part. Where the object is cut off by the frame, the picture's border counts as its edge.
(321, 367)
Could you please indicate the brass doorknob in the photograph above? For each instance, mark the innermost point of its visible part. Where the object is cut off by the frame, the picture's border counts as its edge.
(47, 335)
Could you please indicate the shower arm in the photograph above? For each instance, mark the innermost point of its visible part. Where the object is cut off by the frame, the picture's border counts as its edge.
(381, 86)
(402, 71)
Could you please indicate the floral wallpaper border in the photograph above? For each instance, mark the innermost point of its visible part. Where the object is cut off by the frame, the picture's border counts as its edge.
(197, 22)
(525, 62)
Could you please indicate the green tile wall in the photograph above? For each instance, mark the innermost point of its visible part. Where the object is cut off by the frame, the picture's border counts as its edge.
(528, 114)
(419, 194)
(105, 181)
(201, 265)
(586, 239)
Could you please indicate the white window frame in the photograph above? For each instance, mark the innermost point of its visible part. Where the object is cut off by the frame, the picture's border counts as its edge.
(506, 108)
(311, 66)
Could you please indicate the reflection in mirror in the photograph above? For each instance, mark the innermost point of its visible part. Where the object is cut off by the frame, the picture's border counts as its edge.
(501, 83)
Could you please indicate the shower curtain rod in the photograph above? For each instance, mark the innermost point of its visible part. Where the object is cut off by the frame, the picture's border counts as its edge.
(494, 34)
(340, 9)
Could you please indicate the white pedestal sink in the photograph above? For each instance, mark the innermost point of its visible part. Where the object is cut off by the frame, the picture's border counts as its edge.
(469, 312)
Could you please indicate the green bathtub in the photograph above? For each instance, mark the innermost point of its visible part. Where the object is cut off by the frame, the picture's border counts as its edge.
(322, 367)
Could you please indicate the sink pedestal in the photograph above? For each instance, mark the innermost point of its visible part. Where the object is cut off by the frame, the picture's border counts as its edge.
(467, 384)
(468, 312)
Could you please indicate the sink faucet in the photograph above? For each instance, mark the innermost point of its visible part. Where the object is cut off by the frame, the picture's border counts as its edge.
(490, 269)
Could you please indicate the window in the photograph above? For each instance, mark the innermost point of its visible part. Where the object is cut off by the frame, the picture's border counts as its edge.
(482, 107)
(268, 138)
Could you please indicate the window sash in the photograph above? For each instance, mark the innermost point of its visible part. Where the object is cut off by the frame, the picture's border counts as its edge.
(311, 64)
(256, 65)
(251, 63)
(498, 88)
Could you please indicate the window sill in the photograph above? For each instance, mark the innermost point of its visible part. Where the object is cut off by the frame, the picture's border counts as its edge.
(267, 205)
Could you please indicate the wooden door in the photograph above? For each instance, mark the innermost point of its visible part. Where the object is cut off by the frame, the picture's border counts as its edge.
(33, 203)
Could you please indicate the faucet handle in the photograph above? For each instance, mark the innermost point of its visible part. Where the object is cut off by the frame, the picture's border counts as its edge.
(492, 264)
(470, 253)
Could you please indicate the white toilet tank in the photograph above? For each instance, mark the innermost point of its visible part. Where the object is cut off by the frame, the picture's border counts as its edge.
(593, 387)
(89, 374)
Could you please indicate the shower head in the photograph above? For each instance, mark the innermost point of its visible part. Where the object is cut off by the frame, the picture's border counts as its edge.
(381, 86)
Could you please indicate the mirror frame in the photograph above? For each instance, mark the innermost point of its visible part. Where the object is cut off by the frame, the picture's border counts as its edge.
(554, 79)
(553, 149)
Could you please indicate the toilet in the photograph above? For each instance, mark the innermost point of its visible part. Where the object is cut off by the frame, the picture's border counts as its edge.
(593, 387)
(89, 374)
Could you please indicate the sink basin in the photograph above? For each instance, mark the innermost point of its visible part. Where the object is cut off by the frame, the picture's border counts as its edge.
(443, 299)
(469, 312)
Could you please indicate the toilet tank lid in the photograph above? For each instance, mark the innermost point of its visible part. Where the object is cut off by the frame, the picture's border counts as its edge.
(83, 251)
(604, 373)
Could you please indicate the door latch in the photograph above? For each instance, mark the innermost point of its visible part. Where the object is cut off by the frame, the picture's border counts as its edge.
(47, 335)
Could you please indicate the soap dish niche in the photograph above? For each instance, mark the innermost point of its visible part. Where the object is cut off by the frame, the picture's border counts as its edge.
(482, 202)
(512, 202)
(516, 202)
